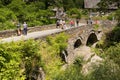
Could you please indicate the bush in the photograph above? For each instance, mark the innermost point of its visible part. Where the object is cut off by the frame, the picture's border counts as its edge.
(106, 71)
(117, 15)
(17, 60)
(71, 73)
(2, 19)
(10, 59)
(74, 13)
(114, 35)
(51, 54)
(7, 25)
(111, 16)
(96, 26)
(114, 53)
(7, 14)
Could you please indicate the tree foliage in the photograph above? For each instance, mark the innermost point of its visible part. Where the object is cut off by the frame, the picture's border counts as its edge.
(74, 13)
(51, 54)
(108, 70)
(22, 60)
(106, 4)
(34, 12)
(17, 58)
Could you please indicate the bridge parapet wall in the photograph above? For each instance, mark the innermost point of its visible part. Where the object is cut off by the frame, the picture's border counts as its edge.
(9, 33)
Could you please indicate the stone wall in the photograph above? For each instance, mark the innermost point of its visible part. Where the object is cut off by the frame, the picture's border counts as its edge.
(9, 33)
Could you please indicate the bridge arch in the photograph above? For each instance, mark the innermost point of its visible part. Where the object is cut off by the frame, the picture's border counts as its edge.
(92, 38)
(77, 43)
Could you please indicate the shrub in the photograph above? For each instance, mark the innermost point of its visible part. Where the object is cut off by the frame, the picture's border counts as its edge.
(106, 71)
(118, 16)
(10, 59)
(114, 53)
(111, 16)
(72, 72)
(17, 60)
(96, 26)
(74, 13)
(51, 54)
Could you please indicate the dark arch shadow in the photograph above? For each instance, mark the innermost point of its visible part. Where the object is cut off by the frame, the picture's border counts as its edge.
(91, 39)
(77, 43)
(63, 55)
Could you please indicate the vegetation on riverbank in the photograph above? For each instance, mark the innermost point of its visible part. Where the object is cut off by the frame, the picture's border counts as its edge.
(22, 60)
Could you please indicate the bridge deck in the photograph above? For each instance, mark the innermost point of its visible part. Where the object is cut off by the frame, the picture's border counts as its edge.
(35, 35)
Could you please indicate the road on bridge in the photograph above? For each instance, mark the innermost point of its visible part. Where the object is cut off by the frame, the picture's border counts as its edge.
(35, 35)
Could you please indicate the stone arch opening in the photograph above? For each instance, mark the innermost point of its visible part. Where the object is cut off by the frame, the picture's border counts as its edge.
(63, 55)
(91, 39)
(77, 43)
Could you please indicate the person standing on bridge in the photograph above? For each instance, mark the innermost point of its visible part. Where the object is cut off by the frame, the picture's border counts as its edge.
(18, 29)
(25, 28)
(89, 21)
(77, 22)
(58, 23)
(64, 24)
(61, 23)
(72, 23)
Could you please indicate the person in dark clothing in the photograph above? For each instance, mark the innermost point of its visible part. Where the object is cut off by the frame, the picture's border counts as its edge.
(77, 22)
(18, 29)
(89, 21)
(57, 23)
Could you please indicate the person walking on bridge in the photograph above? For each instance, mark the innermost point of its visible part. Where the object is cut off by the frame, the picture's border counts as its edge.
(77, 22)
(25, 28)
(58, 23)
(61, 23)
(72, 23)
(18, 29)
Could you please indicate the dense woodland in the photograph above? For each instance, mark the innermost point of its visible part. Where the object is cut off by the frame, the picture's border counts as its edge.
(34, 12)
(21, 60)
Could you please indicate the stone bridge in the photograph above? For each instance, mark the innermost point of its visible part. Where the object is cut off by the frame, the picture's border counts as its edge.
(80, 36)
(81, 33)
(85, 35)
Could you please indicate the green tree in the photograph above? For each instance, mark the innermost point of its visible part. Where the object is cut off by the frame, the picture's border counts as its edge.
(109, 2)
(68, 4)
(103, 5)
(6, 2)
(74, 13)
(117, 15)
(10, 59)
(113, 53)
(6, 19)
(79, 3)
(19, 60)
(108, 70)
(17, 6)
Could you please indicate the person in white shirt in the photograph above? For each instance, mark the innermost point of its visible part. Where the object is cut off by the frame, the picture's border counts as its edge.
(25, 28)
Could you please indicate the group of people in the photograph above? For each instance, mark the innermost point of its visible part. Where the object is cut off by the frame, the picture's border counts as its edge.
(61, 24)
(24, 31)
(72, 22)
(89, 21)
